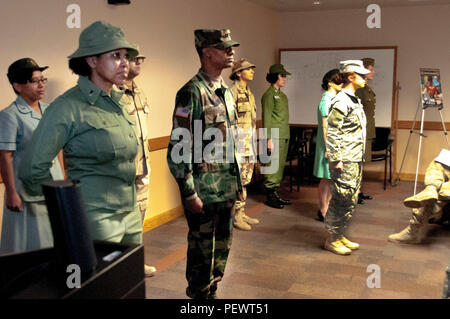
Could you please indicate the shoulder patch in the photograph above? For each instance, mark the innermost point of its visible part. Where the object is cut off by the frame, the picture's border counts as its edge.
(182, 112)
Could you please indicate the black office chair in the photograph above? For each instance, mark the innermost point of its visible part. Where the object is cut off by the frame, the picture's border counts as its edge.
(382, 150)
(294, 155)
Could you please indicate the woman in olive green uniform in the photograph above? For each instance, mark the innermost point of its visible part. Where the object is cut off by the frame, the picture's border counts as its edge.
(91, 124)
(275, 115)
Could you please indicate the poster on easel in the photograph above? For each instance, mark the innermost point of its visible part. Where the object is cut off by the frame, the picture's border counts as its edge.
(431, 88)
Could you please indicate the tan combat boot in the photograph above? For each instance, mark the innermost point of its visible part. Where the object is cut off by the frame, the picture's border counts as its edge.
(349, 244)
(409, 235)
(444, 192)
(419, 200)
(149, 271)
(336, 246)
(239, 222)
(249, 220)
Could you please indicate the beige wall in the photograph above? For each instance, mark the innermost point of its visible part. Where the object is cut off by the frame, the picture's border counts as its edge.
(421, 34)
(164, 31)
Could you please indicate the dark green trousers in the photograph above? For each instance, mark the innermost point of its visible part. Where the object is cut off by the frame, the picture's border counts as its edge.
(273, 180)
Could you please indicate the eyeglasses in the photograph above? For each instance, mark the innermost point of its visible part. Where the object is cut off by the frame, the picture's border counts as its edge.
(362, 75)
(36, 81)
(140, 60)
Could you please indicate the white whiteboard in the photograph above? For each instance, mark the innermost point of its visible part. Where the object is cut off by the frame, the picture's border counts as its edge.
(308, 66)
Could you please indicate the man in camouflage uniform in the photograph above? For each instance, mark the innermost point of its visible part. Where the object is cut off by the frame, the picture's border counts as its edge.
(345, 147)
(368, 101)
(138, 109)
(245, 106)
(427, 204)
(209, 183)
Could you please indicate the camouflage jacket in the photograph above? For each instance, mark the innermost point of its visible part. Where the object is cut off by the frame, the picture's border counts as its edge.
(368, 101)
(200, 163)
(346, 134)
(137, 107)
(245, 107)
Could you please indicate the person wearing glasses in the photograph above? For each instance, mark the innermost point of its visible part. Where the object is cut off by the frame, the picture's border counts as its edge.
(346, 137)
(98, 137)
(138, 109)
(26, 225)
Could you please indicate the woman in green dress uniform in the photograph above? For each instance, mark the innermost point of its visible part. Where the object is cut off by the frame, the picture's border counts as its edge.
(98, 137)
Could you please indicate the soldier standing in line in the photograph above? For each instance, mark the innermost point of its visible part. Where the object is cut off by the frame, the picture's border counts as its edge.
(275, 115)
(209, 184)
(368, 101)
(243, 72)
(138, 108)
(346, 137)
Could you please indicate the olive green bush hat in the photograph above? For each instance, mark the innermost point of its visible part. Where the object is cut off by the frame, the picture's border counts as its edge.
(101, 37)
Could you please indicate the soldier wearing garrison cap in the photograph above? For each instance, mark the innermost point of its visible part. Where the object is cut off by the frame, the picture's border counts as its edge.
(98, 137)
(245, 106)
(208, 185)
(368, 101)
(275, 116)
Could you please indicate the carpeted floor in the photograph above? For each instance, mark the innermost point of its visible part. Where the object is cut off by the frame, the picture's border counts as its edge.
(282, 257)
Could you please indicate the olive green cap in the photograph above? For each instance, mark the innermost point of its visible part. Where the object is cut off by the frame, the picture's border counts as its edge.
(101, 37)
(278, 68)
(219, 39)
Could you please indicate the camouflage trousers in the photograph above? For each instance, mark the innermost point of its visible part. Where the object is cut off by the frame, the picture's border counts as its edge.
(141, 183)
(247, 169)
(437, 174)
(209, 242)
(344, 190)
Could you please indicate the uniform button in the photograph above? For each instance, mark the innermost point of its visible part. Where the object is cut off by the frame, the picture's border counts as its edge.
(131, 160)
(131, 135)
(129, 184)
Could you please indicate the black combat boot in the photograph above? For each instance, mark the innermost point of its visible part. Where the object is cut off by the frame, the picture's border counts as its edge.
(281, 200)
(272, 199)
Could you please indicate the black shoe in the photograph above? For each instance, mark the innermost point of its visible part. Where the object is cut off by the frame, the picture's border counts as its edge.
(281, 200)
(360, 201)
(320, 217)
(364, 196)
(272, 199)
(274, 203)
(198, 295)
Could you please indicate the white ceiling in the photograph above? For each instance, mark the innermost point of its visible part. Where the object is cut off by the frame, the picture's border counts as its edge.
(308, 5)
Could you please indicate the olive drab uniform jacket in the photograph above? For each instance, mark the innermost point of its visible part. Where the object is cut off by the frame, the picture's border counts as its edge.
(368, 101)
(200, 106)
(246, 118)
(346, 134)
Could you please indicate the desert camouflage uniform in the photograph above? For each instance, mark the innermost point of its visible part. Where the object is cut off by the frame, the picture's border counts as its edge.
(435, 175)
(138, 109)
(217, 184)
(245, 106)
(346, 136)
(368, 100)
